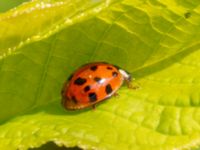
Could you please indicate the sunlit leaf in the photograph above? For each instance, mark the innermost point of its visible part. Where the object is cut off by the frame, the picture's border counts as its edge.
(43, 42)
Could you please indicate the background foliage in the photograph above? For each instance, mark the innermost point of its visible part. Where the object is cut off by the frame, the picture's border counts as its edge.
(8, 4)
(42, 42)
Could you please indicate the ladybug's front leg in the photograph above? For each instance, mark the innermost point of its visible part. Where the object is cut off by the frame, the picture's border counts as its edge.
(94, 106)
(127, 78)
(130, 85)
(115, 94)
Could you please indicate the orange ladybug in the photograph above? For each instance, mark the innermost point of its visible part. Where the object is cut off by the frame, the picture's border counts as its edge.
(91, 84)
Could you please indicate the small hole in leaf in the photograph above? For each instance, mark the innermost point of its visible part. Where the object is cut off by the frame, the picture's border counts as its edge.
(187, 15)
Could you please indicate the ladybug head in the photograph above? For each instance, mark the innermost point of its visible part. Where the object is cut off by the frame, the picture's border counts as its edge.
(125, 74)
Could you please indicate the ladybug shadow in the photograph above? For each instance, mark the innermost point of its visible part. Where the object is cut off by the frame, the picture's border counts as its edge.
(56, 108)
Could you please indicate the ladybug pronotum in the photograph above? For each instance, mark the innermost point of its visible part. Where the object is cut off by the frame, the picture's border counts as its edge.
(91, 84)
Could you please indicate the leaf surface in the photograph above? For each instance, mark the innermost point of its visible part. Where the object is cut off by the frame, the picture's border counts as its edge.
(43, 42)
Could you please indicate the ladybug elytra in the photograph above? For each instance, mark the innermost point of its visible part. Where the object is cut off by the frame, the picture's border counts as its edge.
(91, 84)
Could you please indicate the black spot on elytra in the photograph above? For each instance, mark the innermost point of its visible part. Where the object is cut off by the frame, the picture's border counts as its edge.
(87, 88)
(108, 89)
(79, 81)
(92, 97)
(70, 77)
(97, 79)
(74, 99)
(93, 68)
(109, 68)
(114, 74)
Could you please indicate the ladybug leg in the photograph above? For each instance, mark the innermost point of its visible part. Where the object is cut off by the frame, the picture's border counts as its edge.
(116, 95)
(130, 85)
(128, 79)
(94, 107)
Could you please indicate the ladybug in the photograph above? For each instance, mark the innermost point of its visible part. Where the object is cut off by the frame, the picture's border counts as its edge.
(91, 84)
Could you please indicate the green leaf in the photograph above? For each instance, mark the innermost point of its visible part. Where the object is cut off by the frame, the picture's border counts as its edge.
(6, 5)
(43, 42)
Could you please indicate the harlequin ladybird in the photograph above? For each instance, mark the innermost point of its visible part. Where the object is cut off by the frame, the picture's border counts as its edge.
(92, 83)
